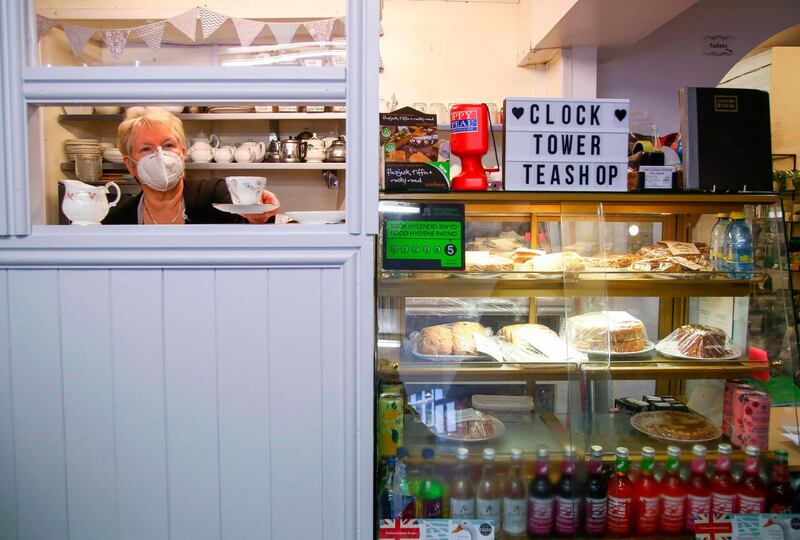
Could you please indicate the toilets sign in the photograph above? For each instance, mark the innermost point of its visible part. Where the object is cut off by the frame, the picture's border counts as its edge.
(566, 145)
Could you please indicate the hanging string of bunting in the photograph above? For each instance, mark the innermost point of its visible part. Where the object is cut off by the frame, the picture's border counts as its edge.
(152, 34)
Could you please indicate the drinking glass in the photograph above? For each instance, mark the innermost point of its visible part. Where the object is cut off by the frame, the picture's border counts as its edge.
(441, 112)
(421, 107)
(88, 167)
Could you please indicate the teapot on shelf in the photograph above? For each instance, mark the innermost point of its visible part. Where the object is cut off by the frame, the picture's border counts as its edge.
(244, 154)
(274, 151)
(259, 149)
(85, 204)
(293, 150)
(224, 154)
(203, 142)
(337, 151)
(316, 149)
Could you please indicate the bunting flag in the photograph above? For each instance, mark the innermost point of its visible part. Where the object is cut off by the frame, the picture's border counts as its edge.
(152, 35)
(210, 21)
(247, 30)
(320, 30)
(186, 22)
(43, 25)
(283, 32)
(78, 36)
(115, 40)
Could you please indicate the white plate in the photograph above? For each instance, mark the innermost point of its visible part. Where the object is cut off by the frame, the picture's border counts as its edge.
(648, 346)
(669, 349)
(644, 422)
(316, 218)
(498, 427)
(244, 208)
(447, 357)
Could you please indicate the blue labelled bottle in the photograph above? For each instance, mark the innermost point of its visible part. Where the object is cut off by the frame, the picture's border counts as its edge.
(718, 241)
(403, 501)
(738, 247)
(430, 488)
(386, 492)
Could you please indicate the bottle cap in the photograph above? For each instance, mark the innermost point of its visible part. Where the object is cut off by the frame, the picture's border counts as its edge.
(428, 453)
(488, 453)
(596, 450)
(462, 453)
(673, 451)
(391, 461)
(781, 455)
(699, 450)
(724, 448)
(542, 452)
(516, 453)
(737, 215)
(402, 452)
(722, 214)
(648, 452)
(622, 452)
(752, 451)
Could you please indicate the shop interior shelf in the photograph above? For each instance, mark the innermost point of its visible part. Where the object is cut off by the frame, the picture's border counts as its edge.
(424, 284)
(213, 116)
(70, 167)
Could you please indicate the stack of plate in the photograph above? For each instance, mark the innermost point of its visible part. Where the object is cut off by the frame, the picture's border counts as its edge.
(76, 147)
(226, 109)
(112, 154)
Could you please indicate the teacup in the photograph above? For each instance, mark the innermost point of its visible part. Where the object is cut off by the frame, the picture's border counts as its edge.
(246, 189)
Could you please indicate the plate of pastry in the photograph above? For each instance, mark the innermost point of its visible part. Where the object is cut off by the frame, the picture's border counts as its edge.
(454, 342)
(676, 426)
(648, 346)
(469, 425)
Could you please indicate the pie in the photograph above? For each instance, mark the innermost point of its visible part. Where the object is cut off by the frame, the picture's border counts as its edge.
(676, 426)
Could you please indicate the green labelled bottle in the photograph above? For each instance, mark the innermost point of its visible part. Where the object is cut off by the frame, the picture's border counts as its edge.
(620, 497)
(430, 488)
(672, 510)
(646, 498)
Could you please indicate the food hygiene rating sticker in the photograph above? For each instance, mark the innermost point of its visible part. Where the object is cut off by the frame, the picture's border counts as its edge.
(423, 237)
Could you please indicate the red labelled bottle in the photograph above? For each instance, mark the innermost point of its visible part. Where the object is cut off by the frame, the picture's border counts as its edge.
(567, 507)
(723, 486)
(430, 488)
(541, 502)
(595, 507)
(751, 492)
(646, 498)
(515, 499)
(698, 488)
(780, 495)
(487, 498)
(620, 497)
(462, 492)
(672, 507)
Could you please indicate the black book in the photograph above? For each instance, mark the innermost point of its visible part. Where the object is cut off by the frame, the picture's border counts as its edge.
(727, 145)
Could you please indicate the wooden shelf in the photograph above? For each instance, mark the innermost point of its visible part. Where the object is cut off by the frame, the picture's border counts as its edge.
(212, 116)
(664, 199)
(69, 167)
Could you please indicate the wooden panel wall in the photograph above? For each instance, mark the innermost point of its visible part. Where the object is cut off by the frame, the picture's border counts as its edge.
(179, 403)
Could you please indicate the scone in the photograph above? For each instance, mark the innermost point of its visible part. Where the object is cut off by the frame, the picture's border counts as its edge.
(436, 340)
(520, 334)
(464, 337)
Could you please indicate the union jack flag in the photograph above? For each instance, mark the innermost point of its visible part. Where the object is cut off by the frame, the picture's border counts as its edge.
(398, 529)
(713, 527)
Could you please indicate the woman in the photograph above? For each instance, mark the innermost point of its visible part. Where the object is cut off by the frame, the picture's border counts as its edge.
(153, 145)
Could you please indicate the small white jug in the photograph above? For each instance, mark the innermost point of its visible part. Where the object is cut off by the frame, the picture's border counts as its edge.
(87, 205)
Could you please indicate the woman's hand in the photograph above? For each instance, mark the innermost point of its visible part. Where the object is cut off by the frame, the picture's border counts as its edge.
(267, 197)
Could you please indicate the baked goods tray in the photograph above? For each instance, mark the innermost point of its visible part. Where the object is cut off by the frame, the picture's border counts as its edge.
(647, 348)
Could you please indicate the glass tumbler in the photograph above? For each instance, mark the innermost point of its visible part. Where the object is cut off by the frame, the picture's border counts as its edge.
(88, 167)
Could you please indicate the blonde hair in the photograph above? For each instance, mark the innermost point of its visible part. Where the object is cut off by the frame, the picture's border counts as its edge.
(149, 116)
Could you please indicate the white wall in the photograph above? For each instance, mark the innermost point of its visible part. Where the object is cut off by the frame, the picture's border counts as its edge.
(651, 71)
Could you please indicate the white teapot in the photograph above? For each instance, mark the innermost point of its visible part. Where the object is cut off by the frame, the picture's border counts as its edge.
(259, 149)
(203, 155)
(224, 154)
(244, 154)
(204, 142)
(87, 205)
(316, 149)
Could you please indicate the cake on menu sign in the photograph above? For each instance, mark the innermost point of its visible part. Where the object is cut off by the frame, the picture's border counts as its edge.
(565, 145)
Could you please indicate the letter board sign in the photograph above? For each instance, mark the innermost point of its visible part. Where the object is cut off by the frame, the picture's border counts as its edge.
(565, 145)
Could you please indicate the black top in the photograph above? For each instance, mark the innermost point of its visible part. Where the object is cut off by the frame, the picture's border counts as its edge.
(198, 196)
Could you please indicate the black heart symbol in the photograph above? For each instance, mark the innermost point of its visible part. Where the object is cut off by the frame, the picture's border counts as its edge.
(517, 112)
(620, 114)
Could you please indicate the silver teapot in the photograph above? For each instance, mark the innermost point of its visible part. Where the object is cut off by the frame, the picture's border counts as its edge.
(337, 151)
(293, 150)
(274, 151)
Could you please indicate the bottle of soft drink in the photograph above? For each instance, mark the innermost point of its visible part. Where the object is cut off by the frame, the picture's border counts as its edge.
(646, 495)
(462, 492)
(567, 507)
(698, 488)
(717, 242)
(540, 501)
(780, 496)
(386, 505)
(738, 247)
(430, 488)
(515, 499)
(723, 486)
(487, 503)
(672, 507)
(403, 499)
(620, 497)
(751, 493)
(596, 495)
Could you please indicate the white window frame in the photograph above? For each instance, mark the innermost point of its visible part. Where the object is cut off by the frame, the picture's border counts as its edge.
(25, 86)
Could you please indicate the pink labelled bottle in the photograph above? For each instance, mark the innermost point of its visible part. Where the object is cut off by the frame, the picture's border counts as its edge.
(462, 492)
(646, 491)
(487, 502)
(723, 486)
(751, 492)
(568, 502)
(698, 488)
(515, 499)
(430, 488)
(780, 495)
(541, 500)
(595, 507)
(620, 497)
(672, 507)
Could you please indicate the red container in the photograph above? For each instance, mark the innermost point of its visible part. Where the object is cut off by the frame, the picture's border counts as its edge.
(737, 412)
(727, 405)
(469, 140)
(755, 420)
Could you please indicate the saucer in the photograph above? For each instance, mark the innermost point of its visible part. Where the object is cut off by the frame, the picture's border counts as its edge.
(244, 208)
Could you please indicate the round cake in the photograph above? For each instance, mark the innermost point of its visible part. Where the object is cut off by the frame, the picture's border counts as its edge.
(701, 341)
(603, 331)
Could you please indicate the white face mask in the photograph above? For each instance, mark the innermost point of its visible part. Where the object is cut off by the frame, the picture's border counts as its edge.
(160, 170)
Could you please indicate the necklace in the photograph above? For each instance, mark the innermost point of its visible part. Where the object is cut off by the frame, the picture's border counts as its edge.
(180, 209)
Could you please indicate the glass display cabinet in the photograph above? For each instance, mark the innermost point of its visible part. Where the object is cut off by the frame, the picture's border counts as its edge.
(578, 322)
